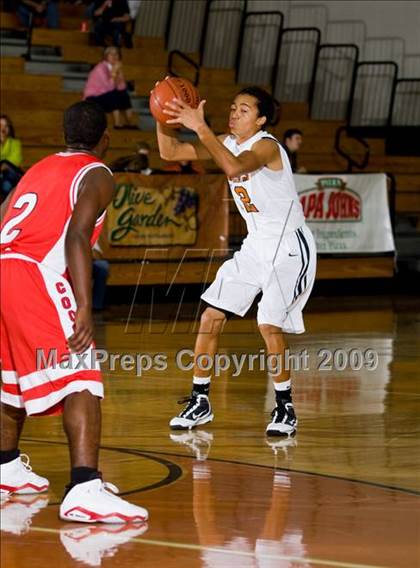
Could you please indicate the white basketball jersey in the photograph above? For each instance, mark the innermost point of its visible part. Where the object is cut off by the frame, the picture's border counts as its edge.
(266, 199)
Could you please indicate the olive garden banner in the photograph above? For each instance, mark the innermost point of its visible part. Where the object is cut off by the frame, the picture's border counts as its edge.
(177, 212)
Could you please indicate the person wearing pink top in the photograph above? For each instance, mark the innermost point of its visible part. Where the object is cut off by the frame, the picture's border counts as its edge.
(106, 87)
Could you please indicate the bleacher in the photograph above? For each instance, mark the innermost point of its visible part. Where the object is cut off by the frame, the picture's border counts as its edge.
(43, 72)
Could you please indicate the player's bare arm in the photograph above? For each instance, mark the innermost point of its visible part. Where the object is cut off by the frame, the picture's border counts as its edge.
(95, 195)
(172, 150)
(263, 152)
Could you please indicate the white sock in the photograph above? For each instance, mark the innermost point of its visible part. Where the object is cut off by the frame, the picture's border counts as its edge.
(201, 380)
(283, 385)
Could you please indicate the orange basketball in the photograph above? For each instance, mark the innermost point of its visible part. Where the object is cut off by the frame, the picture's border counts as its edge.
(168, 89)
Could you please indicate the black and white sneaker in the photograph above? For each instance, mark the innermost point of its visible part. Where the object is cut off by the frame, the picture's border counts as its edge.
(284, 421)
(197, 411)
(198, 442)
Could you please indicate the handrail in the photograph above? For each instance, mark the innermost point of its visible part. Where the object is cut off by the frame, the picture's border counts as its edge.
(242, 35)
(394, 91)
(280, 42)
(206, 23)
(392, 198)
(169, 22)
(29, 37)
(315, 69)
(351, 161)
(176, 52)
(354, 80)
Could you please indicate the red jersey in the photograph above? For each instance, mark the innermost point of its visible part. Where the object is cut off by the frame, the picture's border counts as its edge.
(38, 216)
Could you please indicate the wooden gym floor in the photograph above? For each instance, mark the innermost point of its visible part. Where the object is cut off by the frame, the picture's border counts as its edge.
(342, 493)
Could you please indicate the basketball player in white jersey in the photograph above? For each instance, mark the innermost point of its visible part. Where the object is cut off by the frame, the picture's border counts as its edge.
(277, 257)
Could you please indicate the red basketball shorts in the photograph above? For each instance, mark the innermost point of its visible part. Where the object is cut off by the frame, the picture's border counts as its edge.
(37, 315)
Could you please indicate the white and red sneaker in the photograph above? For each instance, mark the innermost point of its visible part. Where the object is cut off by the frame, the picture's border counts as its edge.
(17, 477)
(90, 544)
(16, 512)
(96, 502)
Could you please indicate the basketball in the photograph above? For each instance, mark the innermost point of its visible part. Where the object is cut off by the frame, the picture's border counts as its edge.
(168, 89)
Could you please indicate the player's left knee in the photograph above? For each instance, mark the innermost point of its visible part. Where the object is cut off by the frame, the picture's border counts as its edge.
(267, 330)
(16, 414)
(212, 321)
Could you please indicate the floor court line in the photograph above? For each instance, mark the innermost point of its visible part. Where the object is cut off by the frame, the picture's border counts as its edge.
(144, 453)
(197, 547)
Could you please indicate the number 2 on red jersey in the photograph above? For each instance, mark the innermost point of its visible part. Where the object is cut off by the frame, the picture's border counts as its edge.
(27, 203)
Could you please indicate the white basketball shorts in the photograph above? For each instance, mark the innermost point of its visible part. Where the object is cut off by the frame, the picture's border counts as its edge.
(283, 269)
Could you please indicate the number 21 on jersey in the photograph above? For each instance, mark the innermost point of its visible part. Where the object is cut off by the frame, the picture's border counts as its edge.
(246, 200)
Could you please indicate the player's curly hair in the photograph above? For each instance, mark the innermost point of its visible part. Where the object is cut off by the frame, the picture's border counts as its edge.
(267, 105)
(84, 124)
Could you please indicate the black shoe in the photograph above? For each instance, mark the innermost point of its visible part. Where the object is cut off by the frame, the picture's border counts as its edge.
(197, 411)
(284, 421)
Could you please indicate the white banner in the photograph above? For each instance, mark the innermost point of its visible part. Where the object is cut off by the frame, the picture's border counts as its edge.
(347, 213)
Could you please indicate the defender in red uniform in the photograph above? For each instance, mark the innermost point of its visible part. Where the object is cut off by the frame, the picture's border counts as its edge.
(49, 224)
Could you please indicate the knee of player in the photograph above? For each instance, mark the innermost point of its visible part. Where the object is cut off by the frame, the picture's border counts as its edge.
(270, 332)
(13, 413)
(212, 321)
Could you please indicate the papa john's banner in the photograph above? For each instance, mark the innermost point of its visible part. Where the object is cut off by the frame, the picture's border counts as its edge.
(347, 213)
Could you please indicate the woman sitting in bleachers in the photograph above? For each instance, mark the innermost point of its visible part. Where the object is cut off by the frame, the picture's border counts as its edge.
(107, 87)
(10, 157)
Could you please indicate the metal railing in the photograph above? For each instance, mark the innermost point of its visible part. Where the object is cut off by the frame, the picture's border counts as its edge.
(220, 37)
(351, 161)
(392, 198)
(405, 103)
(332, 81)
(28, 54)
(371, 94)
(193, 64)
(258, 47)
(291, 60)
(293, 74)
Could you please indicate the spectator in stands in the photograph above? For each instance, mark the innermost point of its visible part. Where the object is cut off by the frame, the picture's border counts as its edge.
(112, 18)
(106, 87)
(33, 12)
(135, 163)
(292, 141)
(10, 156)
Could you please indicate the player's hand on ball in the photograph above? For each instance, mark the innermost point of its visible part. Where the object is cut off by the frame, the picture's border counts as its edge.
(83, 331)
(181, 113)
